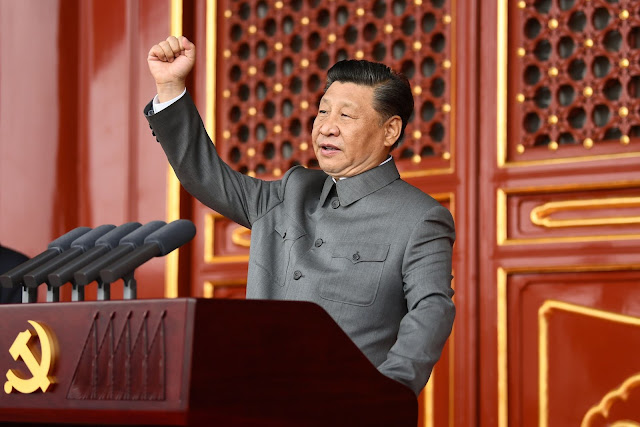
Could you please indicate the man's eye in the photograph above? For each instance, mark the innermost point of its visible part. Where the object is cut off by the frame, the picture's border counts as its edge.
(322, 111)
(346, 115)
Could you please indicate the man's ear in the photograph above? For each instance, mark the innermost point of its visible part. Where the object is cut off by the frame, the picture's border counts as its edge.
(392, 129)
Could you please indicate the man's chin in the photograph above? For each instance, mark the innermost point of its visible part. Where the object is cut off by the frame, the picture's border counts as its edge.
(329, 167)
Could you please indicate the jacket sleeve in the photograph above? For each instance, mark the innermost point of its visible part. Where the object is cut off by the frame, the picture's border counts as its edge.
(427, 278)
(194, 158)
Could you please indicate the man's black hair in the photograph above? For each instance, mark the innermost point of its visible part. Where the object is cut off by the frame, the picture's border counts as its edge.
(392, 91)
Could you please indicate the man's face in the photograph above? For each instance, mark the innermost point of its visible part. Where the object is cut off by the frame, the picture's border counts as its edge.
(348, 135)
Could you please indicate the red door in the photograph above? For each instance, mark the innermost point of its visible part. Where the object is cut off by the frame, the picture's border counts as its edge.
(559, 213)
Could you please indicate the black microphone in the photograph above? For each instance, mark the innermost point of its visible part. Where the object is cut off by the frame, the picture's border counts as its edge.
(14, 277)
(103, 245)
(38, 276)
(127, 244)
(158, 243)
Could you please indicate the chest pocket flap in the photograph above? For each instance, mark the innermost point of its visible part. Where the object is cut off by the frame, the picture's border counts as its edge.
(353, 275)
(364, 252)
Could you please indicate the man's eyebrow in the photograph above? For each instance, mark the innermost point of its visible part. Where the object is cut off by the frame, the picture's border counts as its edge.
(343, 103)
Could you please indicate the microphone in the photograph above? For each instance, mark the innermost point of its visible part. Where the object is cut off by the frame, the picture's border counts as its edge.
(39, 275)
(91, 272)
(15, 276)
(103, 245)
(158, 243)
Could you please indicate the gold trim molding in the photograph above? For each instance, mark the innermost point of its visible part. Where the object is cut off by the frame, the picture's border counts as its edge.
(210, 61)
(428, 402)
(501, 86)
(503, 390)
(173, 185)
(449, 196)
(209, 287)
(428, 172)
(541, 215)
(452, 357)
(237, 237)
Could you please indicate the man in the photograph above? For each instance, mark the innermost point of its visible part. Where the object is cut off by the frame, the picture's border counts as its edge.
(8, 260)
(354, 238)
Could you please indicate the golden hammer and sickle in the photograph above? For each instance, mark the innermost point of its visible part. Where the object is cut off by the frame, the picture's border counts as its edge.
(39, 365)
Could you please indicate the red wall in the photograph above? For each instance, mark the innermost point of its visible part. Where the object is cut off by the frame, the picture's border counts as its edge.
(75, 149)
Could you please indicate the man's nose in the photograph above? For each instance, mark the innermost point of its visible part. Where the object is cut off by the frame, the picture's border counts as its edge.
(329, 127)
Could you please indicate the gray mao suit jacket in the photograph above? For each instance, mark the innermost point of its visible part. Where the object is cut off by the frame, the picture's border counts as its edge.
(372, 250)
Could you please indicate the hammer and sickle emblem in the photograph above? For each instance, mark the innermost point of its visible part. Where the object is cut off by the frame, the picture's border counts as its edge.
(38, 364)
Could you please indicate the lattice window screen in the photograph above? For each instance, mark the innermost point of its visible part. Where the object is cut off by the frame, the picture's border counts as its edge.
(574, 74)
(273, 61)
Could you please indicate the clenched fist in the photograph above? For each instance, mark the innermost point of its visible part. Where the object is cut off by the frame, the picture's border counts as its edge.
(170, 62)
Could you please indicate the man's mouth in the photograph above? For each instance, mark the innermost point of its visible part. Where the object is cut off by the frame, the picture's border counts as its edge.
(329, 147)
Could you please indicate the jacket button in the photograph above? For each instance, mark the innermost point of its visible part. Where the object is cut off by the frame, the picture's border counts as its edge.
(318, 243)
(356, 256)
(297, 274)
(153, 133)
(335, 203)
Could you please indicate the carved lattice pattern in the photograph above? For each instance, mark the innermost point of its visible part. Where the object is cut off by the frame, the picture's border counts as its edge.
(274, 56)
(574, 76)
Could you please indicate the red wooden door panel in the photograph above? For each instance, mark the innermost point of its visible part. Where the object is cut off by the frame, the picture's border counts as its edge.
(560, 219)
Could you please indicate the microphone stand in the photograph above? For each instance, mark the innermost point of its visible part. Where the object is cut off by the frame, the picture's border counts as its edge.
(104, 290)
(77, 292)
(29, 295)
(53, 293)
(130, 287)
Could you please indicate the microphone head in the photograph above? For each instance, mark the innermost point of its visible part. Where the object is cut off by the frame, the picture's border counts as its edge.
(64, 242)
(136, 238)
(88, 240)
(172, 235)
(112, 238)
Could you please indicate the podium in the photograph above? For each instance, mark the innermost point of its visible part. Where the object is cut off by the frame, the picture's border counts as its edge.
(189, 362)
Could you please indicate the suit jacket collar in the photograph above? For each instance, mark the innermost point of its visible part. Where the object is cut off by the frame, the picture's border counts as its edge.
(328, 185)
(354, 188)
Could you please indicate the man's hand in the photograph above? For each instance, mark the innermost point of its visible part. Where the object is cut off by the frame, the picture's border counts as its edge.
(170, 62)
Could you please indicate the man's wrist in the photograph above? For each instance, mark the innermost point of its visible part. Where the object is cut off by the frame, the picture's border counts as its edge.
(169, 91)
(158, 106)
